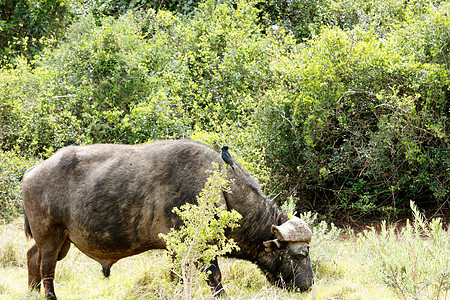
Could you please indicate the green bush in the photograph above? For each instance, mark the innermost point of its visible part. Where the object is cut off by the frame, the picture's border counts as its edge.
(414, 261)
(425, 36)
(12, 168)
(352, 122)
(33, 119)
(100, 8)
(143, 76)
(204, 223)
(306, 18)
(357, 126)
(302, 18)
(26, 27)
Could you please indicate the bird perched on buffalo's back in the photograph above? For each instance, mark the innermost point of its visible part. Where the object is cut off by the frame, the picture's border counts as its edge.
(227, 158)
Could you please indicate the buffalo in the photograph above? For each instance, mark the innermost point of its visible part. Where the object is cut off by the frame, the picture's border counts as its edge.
(112, 201)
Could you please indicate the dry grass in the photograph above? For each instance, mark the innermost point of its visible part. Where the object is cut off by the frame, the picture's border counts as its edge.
(343, 275)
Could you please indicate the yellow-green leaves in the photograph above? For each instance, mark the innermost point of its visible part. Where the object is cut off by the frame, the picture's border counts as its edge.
(201, 238)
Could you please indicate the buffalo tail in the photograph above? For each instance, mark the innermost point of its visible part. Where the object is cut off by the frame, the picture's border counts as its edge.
(27, 227)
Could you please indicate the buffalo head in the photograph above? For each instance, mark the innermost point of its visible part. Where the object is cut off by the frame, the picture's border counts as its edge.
(287, 256)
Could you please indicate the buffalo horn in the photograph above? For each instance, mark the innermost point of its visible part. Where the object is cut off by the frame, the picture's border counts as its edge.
(269, 244)
(293, 230)
(271, 201)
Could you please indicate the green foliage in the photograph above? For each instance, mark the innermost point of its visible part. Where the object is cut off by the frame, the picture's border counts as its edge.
(300, 17)
(100, 75)
(324, 237)
(306, 18)
(101, 8)
(12, 168)
(289, 207)
(415, 260)
(358, 122)
(34, 120)
(352, 120)
(147, 76)
(429, 31)
(28, 26)
(201, 238)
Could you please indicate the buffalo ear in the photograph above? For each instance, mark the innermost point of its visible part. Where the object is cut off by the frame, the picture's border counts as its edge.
(277, 232)
(270, 245)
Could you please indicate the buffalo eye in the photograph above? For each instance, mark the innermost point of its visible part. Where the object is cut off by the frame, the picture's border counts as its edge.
(303, 252)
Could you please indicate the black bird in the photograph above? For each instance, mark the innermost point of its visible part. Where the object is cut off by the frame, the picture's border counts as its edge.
(227, 157)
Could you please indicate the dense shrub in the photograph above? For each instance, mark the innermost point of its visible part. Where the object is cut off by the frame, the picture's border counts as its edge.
(118, 7)
(142, 76)
(27, 26)
(414, 261)
(33, 119)
(306, 18)
(352, 121)
(425, 36)
(358, 126)
(12, 168)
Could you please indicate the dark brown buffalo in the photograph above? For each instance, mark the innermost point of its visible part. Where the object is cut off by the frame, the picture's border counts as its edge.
(112, 201)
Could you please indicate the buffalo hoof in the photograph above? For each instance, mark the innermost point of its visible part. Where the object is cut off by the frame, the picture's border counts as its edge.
(219, 291)
(50, 296)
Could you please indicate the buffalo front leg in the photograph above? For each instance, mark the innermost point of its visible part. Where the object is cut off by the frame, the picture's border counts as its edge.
(214, 279)
(34, 270)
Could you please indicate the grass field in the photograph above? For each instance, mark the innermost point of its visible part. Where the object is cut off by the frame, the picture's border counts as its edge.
(347, 268)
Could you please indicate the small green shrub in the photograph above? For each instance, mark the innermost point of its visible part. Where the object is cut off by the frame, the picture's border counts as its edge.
(202, 237)
(414, 261)
(12, 168)
(323, 242)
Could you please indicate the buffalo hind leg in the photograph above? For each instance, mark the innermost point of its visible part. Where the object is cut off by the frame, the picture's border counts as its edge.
(34, 268)
(214, 279)
(53, 248)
